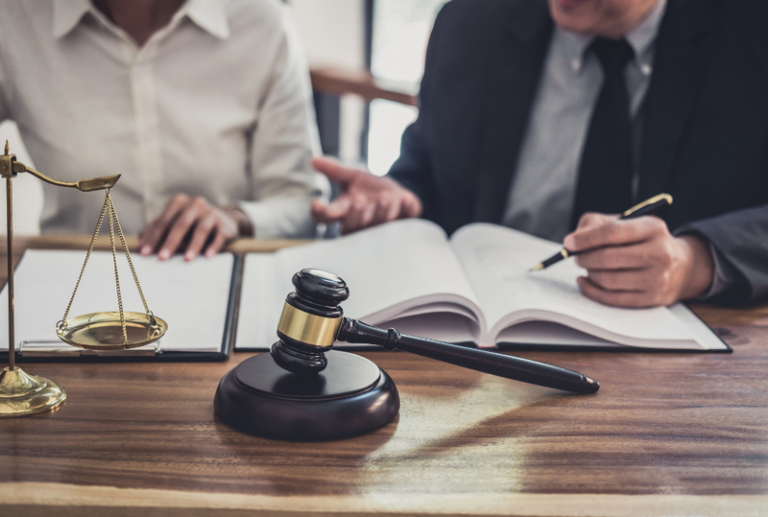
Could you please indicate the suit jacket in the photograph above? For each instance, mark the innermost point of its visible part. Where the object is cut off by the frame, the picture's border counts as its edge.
(705, 128)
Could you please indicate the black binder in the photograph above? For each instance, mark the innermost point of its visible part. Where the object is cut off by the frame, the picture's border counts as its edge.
(51, 351)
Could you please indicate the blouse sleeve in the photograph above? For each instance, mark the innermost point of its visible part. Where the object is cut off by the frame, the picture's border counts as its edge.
(284, 142)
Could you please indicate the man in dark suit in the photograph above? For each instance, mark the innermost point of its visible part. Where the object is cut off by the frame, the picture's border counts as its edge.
(548, 116)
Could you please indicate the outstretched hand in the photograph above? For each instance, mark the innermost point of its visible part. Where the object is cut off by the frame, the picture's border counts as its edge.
(365, 200)
(638, 262)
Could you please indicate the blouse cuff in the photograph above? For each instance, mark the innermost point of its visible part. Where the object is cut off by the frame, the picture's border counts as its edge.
(280, 217)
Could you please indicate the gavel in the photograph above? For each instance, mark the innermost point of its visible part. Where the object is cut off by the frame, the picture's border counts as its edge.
(312, 321)
(304, 390)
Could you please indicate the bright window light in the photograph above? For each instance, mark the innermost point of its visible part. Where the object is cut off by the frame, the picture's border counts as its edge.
(401, 31)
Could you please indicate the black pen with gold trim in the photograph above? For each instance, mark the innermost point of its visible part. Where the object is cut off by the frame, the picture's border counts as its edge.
(648, 206)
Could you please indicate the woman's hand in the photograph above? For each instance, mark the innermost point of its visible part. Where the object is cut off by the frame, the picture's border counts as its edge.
(197, 220)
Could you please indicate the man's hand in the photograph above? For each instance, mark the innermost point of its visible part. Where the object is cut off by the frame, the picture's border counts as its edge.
(167, 232)
(637, 262)
(365, 200)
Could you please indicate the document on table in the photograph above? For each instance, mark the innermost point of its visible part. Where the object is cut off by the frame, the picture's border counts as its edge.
(192, 297)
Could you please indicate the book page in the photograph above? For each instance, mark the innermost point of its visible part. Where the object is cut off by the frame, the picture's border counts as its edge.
(497, 261)
(191, 297)
(548, 333)
(442, 326)
(391, 270)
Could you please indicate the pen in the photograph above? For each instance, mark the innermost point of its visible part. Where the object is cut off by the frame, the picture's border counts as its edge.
(648, 206)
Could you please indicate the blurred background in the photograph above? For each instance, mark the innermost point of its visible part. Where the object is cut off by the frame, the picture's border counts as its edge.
(366, 59)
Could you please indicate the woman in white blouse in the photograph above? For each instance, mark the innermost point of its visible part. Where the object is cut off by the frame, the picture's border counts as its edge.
(203, 106)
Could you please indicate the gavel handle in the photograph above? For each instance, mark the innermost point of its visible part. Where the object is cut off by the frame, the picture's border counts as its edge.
(507, 366)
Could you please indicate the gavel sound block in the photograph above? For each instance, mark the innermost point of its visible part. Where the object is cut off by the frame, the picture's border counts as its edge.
(303, 390)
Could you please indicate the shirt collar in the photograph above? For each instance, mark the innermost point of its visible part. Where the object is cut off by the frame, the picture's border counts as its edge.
(574, 46)
(641, 39)
(66, 15)
(209, 15)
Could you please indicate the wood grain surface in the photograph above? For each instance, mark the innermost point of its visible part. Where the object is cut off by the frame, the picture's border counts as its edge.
(667, 434)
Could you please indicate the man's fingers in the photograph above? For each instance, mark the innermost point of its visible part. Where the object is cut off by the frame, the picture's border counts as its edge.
(367, 200)
(594, 219)
(614, 298)
(354, 218)
(633, 256)
(332, 212)
(394, 211)
(335, 171)
(411, 206)
(366, 217)
(623, 280)
(318, 209)
(615, 233)
(383, 208)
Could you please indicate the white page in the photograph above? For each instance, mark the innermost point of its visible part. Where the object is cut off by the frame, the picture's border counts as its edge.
(703, 335)
(442, 326)
(388, 268)
(497, 261)
(262, 294)
(191, 297)
(437, 308)
(548, 333)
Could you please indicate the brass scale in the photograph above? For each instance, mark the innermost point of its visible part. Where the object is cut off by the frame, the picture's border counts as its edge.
(24, 394)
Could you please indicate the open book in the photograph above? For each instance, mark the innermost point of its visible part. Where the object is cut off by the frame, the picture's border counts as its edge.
(474, 287)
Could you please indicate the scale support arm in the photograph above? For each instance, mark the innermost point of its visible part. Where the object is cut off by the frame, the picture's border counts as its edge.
(10, 167)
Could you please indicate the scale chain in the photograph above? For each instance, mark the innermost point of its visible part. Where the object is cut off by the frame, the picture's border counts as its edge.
(130, 262)
(114, 261)
(63, 321)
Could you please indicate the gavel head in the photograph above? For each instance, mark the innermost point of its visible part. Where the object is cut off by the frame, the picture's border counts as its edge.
(310, 321)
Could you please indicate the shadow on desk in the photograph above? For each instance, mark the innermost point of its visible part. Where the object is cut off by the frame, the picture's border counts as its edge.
(430, 433)
(268, 459)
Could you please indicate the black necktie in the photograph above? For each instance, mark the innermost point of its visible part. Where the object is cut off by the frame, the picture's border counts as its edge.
(605, 174)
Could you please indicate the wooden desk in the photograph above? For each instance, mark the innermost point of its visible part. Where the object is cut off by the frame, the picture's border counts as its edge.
(668, 434)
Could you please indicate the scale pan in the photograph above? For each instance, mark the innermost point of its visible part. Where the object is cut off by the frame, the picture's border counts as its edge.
(103, 331)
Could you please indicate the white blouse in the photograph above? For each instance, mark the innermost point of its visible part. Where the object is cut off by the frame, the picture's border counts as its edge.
(216, 104)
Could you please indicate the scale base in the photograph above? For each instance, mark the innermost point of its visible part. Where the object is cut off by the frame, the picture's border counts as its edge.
(22, 394)
(351, 396)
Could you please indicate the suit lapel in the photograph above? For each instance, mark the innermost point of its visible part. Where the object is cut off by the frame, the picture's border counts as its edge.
(686, 40)
(513, 81)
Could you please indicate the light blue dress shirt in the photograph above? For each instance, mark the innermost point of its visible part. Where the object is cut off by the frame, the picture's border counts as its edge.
(543, 190)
